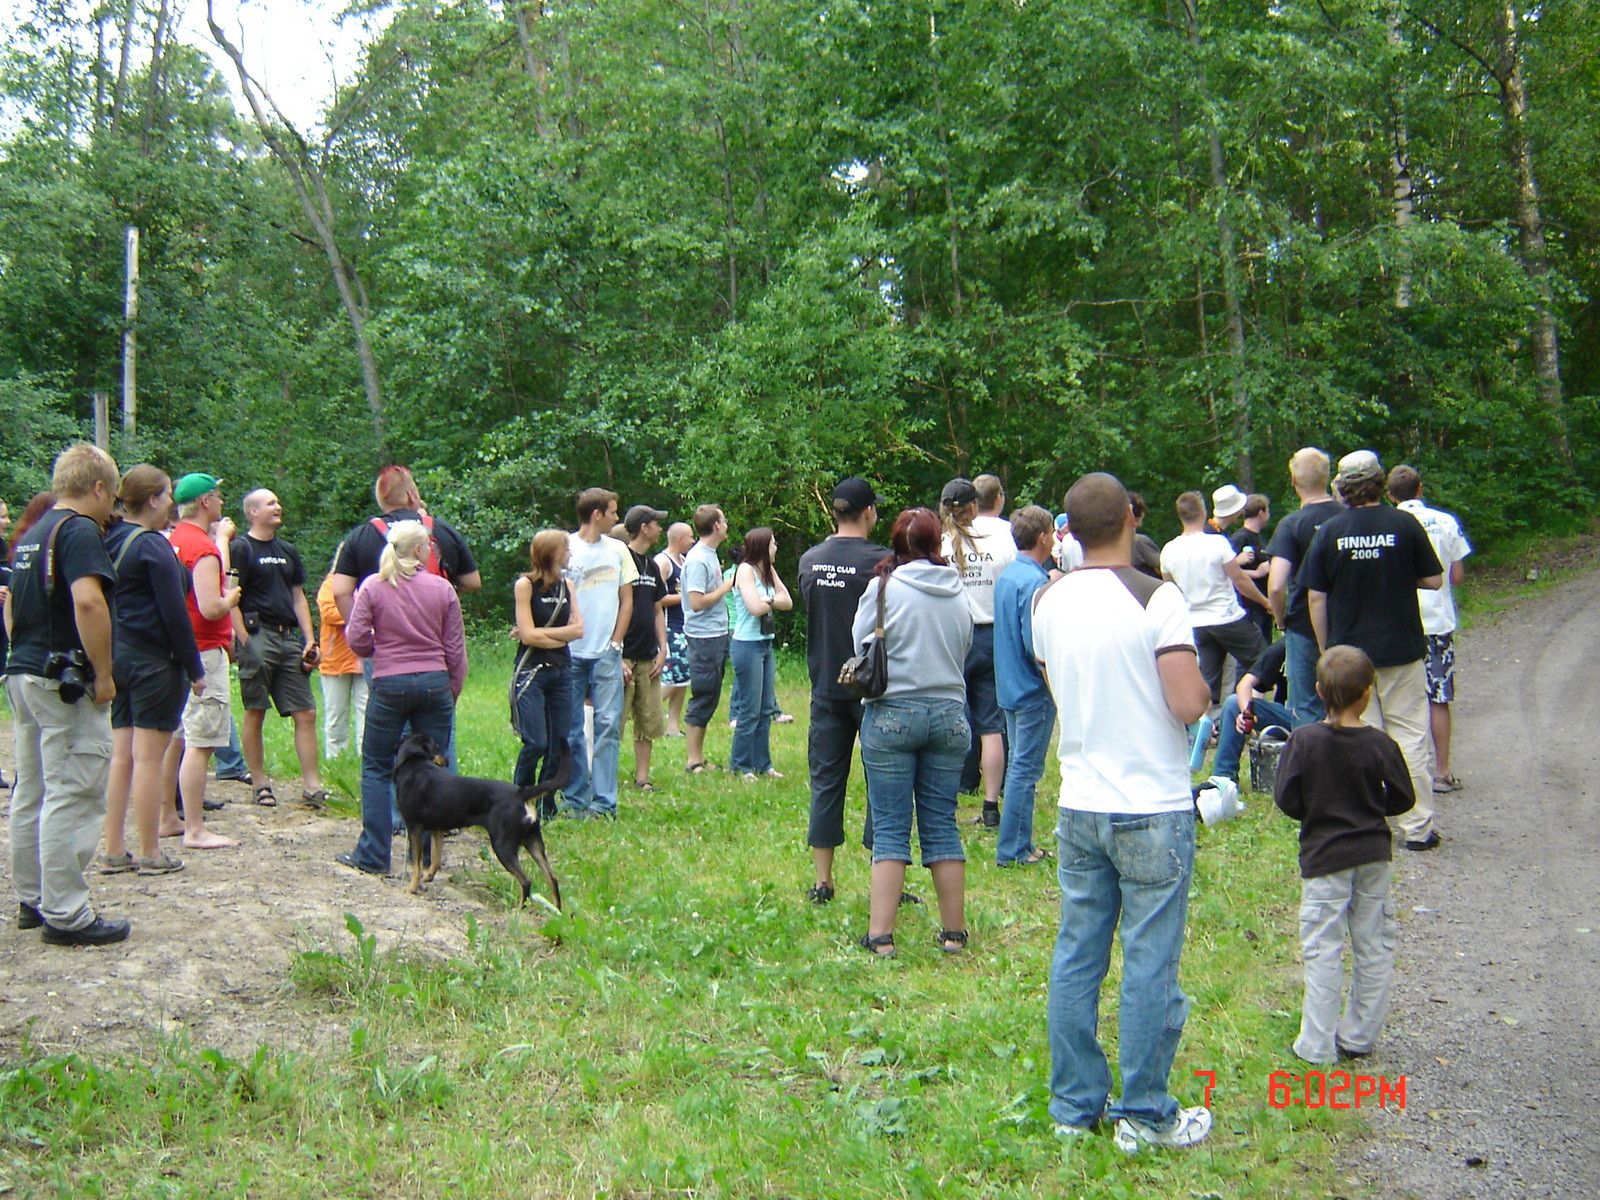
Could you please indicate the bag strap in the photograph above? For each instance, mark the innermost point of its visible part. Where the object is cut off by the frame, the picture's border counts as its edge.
(116, 563)
(883, 587)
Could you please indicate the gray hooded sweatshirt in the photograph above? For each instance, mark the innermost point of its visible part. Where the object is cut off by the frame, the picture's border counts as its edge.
(928, 628)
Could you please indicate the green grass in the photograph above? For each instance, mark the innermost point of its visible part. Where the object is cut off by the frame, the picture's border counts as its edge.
(692, 1027)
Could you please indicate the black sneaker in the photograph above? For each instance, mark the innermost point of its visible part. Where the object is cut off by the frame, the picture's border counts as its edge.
(991, 816)
(28, 917)
(821, 894)
(350, 860)
(1431, 842)
(99, 932)
(909, 898)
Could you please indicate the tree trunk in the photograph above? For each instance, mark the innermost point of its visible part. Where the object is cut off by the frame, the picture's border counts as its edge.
(538, 70)
(1400, 165)
(119, 96)
(310, 187)
(152, 104)
(1530, 222)
(1233, 313)
(957, 300)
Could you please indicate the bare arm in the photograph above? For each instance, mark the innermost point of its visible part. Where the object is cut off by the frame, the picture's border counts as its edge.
(1186, 691)
(1317, 602)
(470, 582)
(1458, 573)
(624, 612)
(754, 602)
(93, 617)
(344, 593)
(700, 601)
(1245, 693)
(542, 637)
(1278, 590)
(1242, 583)
(1431, 583)
(209, 597)
(302, 613)
(660, 663)
(781, 599)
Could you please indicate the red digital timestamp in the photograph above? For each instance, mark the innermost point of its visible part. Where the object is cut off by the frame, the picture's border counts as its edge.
(1318, 1089)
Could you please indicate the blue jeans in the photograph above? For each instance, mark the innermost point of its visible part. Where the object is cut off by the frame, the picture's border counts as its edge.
(1028, 730)
(544, 719)
(912, 750)
(1136, 867)
(593, 788)
(1230, 742)
(421, 701)
(755, 670)
(229, 760)
(1300, 667)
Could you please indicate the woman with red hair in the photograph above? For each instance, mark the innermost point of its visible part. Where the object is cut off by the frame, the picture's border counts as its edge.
(914, 737)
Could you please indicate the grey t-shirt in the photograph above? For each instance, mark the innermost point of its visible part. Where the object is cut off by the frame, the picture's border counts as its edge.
(702, 572)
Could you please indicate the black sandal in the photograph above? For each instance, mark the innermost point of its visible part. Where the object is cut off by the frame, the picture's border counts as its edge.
(874, 945)
(265, 797)
(958, 936)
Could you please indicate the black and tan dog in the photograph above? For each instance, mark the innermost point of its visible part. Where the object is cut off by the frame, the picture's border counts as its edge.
(434, 801)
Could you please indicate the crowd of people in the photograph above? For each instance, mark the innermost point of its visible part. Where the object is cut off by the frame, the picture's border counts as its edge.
(129, 595)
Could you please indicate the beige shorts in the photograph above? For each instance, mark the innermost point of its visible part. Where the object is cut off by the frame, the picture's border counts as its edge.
(641, 700)
(206, 717)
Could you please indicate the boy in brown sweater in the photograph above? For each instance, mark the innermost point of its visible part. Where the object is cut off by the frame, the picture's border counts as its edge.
(1341, 779)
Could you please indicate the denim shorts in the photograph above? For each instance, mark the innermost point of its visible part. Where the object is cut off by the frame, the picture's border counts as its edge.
(913, 748)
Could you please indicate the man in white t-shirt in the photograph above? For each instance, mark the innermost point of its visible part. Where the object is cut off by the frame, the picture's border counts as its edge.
(1118, 654)
(602, 574)
(991, 503)
(1438, 613)
(1206, 569)
(980, 553)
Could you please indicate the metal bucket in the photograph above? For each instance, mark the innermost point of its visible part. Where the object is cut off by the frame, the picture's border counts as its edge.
(1265, 751)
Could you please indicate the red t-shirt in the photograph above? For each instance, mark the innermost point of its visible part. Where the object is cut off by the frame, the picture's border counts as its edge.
(191, 545)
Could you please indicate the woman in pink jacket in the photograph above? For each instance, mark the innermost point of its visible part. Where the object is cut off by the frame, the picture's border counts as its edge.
(408, 622)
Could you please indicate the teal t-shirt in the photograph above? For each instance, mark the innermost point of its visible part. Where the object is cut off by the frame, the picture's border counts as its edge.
(747, 628)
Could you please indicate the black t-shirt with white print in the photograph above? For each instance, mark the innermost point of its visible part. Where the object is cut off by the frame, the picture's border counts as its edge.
(1368, 561)
(268, 574)
(42, 619)
(833, 575)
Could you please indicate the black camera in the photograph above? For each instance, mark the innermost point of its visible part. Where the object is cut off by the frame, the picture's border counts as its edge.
(71, 668)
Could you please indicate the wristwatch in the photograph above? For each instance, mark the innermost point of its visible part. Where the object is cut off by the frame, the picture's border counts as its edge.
(617, 646)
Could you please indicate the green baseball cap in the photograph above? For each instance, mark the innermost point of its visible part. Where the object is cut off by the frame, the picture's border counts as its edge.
(194, 485)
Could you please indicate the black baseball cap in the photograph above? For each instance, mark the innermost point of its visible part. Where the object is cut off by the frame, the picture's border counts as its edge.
(641, 515)
(854, 495)
(959, 492)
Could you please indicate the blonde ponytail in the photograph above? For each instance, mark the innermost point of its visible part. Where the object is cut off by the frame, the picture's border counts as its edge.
(402, 557)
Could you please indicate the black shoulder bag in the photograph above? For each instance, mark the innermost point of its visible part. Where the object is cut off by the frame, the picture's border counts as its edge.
(866, 674)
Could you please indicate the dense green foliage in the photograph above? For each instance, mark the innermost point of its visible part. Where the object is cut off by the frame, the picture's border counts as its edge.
(733, 249)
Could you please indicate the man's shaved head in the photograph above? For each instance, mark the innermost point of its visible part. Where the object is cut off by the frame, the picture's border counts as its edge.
(1099, 509)
(679, 534)
(256, 499)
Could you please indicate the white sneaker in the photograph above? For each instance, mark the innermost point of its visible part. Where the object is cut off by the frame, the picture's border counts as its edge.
(1064, 1130)
(1191, 1126)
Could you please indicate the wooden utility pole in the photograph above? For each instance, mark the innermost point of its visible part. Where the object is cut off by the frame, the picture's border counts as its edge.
(130, 344)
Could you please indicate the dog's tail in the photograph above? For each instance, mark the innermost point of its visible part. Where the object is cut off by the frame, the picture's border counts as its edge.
(552, 781)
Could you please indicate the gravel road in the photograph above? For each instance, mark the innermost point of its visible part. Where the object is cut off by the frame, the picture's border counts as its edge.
(1496, 1016)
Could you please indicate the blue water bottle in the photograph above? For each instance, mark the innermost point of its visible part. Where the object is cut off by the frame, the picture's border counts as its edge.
(1202, 736)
